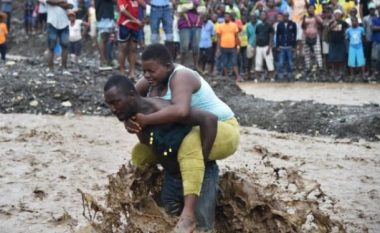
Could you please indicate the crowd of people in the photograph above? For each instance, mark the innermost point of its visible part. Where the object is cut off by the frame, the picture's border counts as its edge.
(245, 39)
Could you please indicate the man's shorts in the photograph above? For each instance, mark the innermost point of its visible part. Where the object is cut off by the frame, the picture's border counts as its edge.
(250, 53)
(105, 26)
(127, 34)
(76, 47)
(205, 55)
(55, 36)
(325, 48)
(261, 55)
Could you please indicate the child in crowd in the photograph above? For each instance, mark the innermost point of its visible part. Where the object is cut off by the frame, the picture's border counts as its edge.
(355, 35)
(75, 37)
(3, 35)
(353, 13)
(205, 45)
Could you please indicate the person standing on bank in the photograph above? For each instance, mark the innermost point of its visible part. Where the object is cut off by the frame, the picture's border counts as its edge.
(129, 26)
(185, 89)
(162, 11)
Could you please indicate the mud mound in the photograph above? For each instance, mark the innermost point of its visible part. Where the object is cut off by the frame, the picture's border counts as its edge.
(24, 88)
(246, 204)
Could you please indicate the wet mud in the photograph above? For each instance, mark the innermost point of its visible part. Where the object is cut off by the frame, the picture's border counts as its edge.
(287, 203)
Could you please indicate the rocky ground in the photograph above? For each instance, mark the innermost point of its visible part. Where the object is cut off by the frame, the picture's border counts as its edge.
(26, 89)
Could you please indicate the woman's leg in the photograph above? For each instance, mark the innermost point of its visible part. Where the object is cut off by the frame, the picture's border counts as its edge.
(143, 156)
(192, 164)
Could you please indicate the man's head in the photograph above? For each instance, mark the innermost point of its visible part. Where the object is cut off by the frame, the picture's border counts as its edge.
(353, 12)
(285, 16)
(311, 10)
(253, 18)
(354, 22)
(227, 17)
(244, 19)
(72, 15)
(372, 8)
(270, 4)
(121, 96)
(338, 14)
(263, 17)
(156, 63)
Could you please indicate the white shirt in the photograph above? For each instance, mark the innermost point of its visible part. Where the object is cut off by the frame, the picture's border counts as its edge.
(42, 7)
(75, 30)
(57, 16)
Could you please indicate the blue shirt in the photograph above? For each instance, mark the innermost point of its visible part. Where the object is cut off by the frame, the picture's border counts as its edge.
(376, 35)
(354, 36)
(251, 32)
(206, 35)
(160, 2)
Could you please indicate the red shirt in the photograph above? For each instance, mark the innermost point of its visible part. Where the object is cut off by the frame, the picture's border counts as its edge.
(132, 6)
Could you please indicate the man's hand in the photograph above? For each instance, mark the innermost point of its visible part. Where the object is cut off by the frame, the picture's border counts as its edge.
(138, 22)
(268, 50)
(132, 126)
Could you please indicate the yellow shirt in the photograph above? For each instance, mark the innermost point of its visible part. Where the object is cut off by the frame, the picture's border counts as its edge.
(347, 6)
(243, 36)
(227, 32)
(3, 33)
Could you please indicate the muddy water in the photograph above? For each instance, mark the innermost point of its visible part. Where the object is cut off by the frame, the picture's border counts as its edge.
(325, 93)
(46, 159)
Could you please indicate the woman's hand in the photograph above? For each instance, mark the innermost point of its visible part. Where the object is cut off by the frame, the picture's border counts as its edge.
(132, 126)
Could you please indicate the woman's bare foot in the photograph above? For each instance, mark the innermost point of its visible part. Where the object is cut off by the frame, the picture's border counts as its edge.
(186, 224)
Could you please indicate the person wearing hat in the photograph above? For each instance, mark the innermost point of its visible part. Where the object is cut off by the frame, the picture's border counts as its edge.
(337, 47)
(367, 25)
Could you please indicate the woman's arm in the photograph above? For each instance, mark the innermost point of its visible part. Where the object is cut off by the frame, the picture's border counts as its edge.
(182, 85)
(142, 87)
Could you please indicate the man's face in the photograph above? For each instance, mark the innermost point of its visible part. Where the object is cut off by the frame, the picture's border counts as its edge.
(270, 4)
(253, 18)
(263, 17)
(286, 17)
(154, 72)
(121, 105)
(227, 18)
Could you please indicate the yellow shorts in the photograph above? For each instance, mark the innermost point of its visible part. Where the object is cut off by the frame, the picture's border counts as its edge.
(190, 155)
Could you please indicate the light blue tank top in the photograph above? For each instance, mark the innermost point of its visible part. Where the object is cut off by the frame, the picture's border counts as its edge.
(205, 98)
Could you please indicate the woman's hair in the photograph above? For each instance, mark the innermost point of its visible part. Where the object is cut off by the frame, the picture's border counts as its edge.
(157, 52)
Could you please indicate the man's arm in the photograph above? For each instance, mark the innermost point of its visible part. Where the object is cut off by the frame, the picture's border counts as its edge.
(55, 2)
(208, 124)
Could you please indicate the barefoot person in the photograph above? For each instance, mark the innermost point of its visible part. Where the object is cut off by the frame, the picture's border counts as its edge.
(160, 143)
(185, 89)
